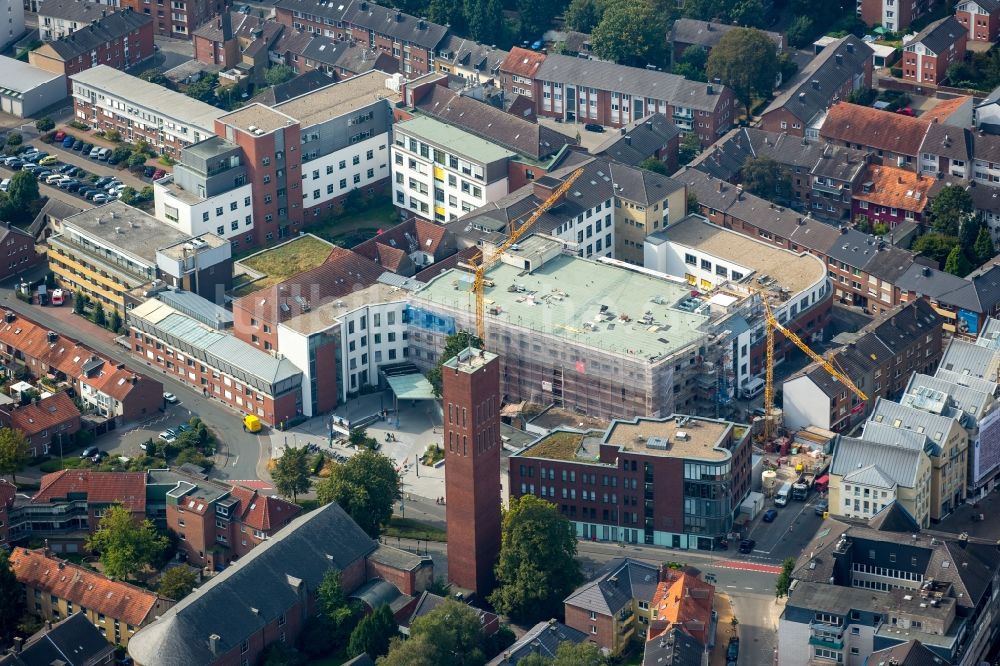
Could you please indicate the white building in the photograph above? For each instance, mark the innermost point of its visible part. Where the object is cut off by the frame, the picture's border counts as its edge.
(441, 172)
(14, 28)
(25, 89)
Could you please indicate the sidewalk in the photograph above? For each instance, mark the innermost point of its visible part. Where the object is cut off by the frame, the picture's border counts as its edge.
(723, 628)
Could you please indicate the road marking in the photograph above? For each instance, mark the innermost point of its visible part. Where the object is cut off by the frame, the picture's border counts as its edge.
(747, 566)
(236, 460)
(748, 588)
(731, 587)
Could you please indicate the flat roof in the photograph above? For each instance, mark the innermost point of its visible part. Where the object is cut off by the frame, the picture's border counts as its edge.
(183, 247)
(150, 95)
(454, 139)
(337, 99)
(20, 77)
(258, 116)
(567, 445)
(686, 437)
(283, 261)
(583, 301)
(469, 360)
(795, 272)
(323, 317)
(126, 228)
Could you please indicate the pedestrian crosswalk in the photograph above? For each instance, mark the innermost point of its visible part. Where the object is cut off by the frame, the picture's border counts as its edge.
(747, 566)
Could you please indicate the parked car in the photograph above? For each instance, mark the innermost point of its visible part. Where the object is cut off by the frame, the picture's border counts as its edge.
(94, 152)
(68, 142)
(48, 161)
(245, 9)
(159, 173)
(103, 154)
(102, 181)
(77, 145)
(54, 178)
(537, 45)
(59, 136)
(170, 397)
(87, 147)
(42, 173)
(7, 160)
(72, 186)
(770, 515)
(101, 198)
(184, 427)
(148, 171)
(822, 507)
(733, 649)
(114, 159)
(90, 452)
(4, 184)
(594, 127)
(91, 194)
(66, 168)
(747, 545)
(58, 297)
(15, 165)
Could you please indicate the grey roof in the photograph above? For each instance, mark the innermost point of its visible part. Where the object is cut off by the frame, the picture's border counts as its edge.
(904, 325)
(193, 305)
(989, 5)
(968, 358)
(884, 433)
(977, 384)
(377, 593)
(910, 653)
(948, 141)
(254, 591)
(81, 11)
(543, 638)
(403, 560)
(473, 55)
(300, 85)
(674, 647)
(939, 35)
(871, 475)
(382, 20)
(972, 401)
(105, 29)
(900, 416)
(20, 77)
(641, 139)
(853, 362)
(894, 464)
(74, 641)
(990, 335)
(802, 99)
(126, 228)
(351, 56)
(894, 518)
(868, 253)
(616, 585)
(986, 147)
(630, 80)
(708, 33)
(936, 284)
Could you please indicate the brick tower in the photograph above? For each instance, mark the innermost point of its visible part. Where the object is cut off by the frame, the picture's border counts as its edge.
(471, 395)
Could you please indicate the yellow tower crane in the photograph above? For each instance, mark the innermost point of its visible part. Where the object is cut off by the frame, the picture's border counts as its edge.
(773, 325)
(516, 232)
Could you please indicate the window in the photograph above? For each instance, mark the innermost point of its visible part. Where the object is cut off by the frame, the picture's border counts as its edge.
(245, 645)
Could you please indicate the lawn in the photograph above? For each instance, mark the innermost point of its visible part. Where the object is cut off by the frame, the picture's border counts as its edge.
(283, 261)
(407, 528)
(345, 229)
(558, 445)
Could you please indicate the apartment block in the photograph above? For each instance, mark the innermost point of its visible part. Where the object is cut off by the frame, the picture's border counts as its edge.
(597, 479)
(55, 589)
(107, 99)
(14, 11)
(891, 196)
(927, 56)
(412, 41)
(220, 365)
(981, 18)
(58, 18)
(892, 15)
(19, 247)
(177, 18)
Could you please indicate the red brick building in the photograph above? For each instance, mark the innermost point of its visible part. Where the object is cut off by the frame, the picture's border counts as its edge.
(892, 15)
(928, 56)
(981, 18)
(20, 250)
(8, 491)
(891, 196)
(119, 40)
(471, 396)
(51, 421)
(177, 18)
(67, 524)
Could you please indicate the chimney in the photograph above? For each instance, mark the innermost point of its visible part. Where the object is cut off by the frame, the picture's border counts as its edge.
(839, 58)
(710, 89)
(628, 141)
(18, 644)
(720, 186)
(213, 643)
(708, 26)
(850, 47)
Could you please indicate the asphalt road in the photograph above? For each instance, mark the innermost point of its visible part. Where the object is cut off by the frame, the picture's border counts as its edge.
(242, 456)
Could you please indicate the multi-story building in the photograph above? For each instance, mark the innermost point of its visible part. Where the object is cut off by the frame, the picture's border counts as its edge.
(682, 602)
(841, 68)
(928, 55)
(8, 494)
(20, 249)
(75, 635)
(654, 136)
(890, 196)
(706, 35)
(946, 150)
(269, 596)
(691, 473)
(14, 11)
(613, 608)
(409, 247)
(964, 303)
(47, 423)
(441, 172)
(58, 18)
(412, 41)
(981, 18)
(341, 59)
(119, 40)
(108, 251)
(469, 60)
(517, 72)
(892, 15)
(949, 457)
(861, 589)
(219, 364)
(867, 476)
(177, 18)
(55, 589)
(592, 91)
(892, 138)
(225, 39)
(107, 99)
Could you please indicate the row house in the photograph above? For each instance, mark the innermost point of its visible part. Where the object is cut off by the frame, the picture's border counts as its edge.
(232, 39)
(946, 151)
(111, 390)
(120, 40)
(46, 423)
(892, 138)
(343, 59)
(964, 303)
(841, 68)
(411, 41)
(893, 16)
(107, 99)
(518, 70)
(706, 35)
(469, 60)
(603, 93)
(891, 196)
(246, 379)
(55, 589)
(58, 18)
(928, 55)
(177, 18)
(19, 247)
(980, 18)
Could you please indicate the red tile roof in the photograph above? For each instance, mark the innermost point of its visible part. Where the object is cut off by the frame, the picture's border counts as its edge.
(392, 245)
(682, 600)
(45, 415)
(883, 130)
(895, 188)
(522, 62)
(85, 588)
(129, 488)
(943, 109)
(261, 512)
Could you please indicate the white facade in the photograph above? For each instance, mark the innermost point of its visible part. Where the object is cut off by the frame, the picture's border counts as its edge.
(26, 90)
(864, 499)
(593, 231)
(227, 215)
(794, 648)
(805, 404)
(336, 174)
(11, 31)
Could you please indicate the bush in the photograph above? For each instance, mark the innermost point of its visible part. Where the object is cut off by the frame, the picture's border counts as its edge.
(44, 124)
(76, 124)
(113, 135)
(14, 139)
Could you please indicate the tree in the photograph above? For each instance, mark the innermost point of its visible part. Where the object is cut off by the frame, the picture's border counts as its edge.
(366, 486)
(584, 15)
(447, 12)
(177, 582)
(276, 74)
(79, 302)
(691, 64)
(291, 472)
(136, 159)
(984, 248)
(537, 566)
(654, 165)
(203, 89)
(784, 578)
(949, 208)
(14, 139)
(745, 60)
(11, 598)
(450, 634)
(336, 610)
(359, 439)
(114, 321)
(935, 246)
(957, 263)
(800, 32)
(766, 178)
(689, 148)
(968, 233)
(156, 76)
(23, 190)
(126, 545)
(99, 316)
(536, 16)
(373, 634)
(14, 452)
(630, 33)
(128, 195)
(453, 344)
(280, 654)
(748, 13)
(45, 124)
(485, 20)
(568, 654)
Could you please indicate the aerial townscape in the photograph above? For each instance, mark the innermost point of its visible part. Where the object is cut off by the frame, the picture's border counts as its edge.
(352, 333)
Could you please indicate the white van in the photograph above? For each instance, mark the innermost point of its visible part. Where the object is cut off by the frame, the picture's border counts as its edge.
(783, 495)
(752, 388)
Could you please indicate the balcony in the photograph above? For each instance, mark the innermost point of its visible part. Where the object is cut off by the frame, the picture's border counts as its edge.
(828, 643)
(836, 190)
